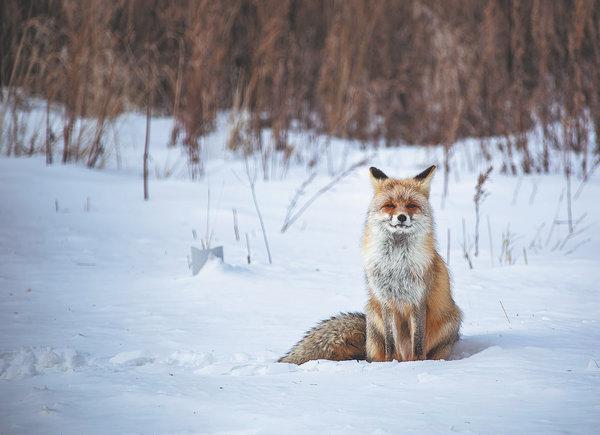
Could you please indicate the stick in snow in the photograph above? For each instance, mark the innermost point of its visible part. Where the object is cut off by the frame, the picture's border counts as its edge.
(504, 312)
(248, 248)
(236, 230)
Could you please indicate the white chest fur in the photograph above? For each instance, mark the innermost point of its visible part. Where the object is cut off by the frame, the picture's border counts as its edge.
(396, 268)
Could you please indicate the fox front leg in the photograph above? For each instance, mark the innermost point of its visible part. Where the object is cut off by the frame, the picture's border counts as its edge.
(389, 333)
(418, 320)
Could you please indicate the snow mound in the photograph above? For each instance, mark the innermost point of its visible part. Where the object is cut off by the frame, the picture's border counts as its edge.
(132, 358)
(189, 359)
(32, 361)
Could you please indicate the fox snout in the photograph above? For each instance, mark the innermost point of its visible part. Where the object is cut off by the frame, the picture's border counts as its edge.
(401, 220)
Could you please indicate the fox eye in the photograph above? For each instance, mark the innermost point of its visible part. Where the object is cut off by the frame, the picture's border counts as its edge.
(388, 206)
(411, 206)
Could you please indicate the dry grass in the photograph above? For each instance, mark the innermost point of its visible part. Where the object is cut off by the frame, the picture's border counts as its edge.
(390, 72)
(480, 195)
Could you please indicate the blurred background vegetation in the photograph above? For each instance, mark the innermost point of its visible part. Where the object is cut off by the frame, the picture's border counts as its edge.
(383, 72)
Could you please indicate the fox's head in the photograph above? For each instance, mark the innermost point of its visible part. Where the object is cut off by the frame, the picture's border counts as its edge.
(401, 206)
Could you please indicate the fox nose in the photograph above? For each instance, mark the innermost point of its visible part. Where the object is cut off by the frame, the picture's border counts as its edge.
(402, 218)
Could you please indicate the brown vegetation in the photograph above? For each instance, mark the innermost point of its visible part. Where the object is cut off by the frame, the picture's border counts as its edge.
(379, 71)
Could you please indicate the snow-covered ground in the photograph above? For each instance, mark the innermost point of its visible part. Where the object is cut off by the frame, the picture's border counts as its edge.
(105, 330)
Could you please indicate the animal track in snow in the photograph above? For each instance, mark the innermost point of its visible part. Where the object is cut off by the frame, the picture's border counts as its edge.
(31, 361)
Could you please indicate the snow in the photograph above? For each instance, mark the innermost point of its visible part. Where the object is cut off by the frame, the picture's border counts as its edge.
(105, 330)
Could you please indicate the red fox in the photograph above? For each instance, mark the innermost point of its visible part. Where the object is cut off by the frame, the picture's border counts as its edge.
(410, 314)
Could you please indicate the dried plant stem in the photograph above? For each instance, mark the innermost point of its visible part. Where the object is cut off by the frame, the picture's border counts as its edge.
(586, 178)
(48, 135)
(146, 149)
(578, 245)
(236, 230)
(208, 236)
(292, 205)
(505, 315)
(251, 180)
(465, 248)
(569, 208)
(248, 257)
(321, 191)
(11, 88)
(178, 81)
(534, 190)
(446, 173)
(576, 232)
(517, 190)
(555, 220)
(480, 195)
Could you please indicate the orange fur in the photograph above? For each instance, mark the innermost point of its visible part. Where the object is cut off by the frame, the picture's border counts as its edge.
(393, 327)
(442, 322)
(443, 317)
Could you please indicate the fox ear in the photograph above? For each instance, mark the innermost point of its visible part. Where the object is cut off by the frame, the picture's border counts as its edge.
(425, 177)
(376, 176)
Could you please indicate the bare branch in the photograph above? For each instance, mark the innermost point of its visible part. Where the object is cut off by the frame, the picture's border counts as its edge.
(321, 191)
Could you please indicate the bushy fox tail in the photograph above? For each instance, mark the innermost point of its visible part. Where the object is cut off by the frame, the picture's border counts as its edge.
(338, 338)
